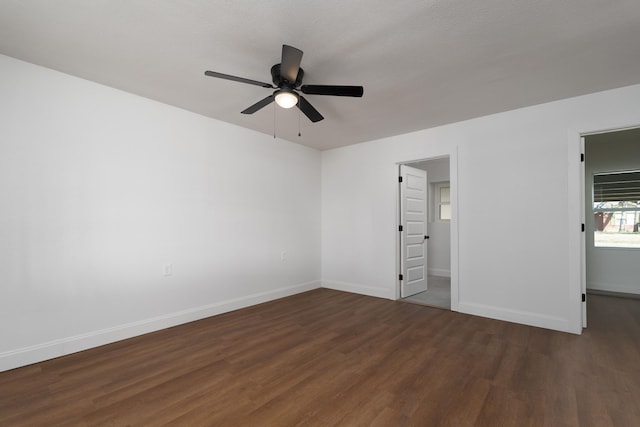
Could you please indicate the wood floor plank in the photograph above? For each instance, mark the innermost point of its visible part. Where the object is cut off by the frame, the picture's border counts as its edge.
(328, 358)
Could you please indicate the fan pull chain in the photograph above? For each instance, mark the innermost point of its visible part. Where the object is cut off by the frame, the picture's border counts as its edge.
(274, 121)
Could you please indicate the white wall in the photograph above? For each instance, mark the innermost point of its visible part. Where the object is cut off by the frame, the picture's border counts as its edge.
(610, 269)
(439, 243)
(518, 201)
(100, 189)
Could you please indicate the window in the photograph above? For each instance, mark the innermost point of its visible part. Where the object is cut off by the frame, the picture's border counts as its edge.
(616, 209)
(443, 201)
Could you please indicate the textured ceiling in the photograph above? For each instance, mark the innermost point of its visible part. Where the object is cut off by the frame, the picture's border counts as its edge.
(422, 63)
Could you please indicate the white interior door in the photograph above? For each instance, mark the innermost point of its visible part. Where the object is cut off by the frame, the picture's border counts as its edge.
(413, 208)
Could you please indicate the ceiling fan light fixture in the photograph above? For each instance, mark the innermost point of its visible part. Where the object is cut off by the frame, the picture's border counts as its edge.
(286, 99)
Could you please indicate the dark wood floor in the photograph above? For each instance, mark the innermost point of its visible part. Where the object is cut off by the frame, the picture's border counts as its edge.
(331, 358)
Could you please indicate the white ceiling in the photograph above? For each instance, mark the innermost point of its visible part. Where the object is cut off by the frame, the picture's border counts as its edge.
(422, 63)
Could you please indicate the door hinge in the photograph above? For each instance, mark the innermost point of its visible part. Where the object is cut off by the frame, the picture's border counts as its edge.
(582, 157)
(584, 297)
(400, 276)
(399, 228)
(399, 179)
(582, 227)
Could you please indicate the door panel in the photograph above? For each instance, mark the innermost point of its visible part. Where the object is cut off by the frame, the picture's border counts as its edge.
(413, 208)
(415, 251)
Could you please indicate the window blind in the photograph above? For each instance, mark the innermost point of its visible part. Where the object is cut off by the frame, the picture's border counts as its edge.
(617, 187)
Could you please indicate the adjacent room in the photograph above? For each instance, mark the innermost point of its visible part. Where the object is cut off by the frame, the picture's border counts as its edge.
(217, 213)
(612, 195)
(433, 240)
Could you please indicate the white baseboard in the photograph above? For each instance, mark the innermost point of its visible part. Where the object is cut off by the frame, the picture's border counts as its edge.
(439, 272)
(354, 288)
(518, 316)
(52, 349)
(614, 287)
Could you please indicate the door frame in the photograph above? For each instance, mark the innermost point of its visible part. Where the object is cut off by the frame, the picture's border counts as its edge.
(454, 235)
(577, 216)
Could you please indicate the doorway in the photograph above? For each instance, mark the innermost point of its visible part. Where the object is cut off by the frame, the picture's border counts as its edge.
(612, 212)
(594, 161)
(425, 232)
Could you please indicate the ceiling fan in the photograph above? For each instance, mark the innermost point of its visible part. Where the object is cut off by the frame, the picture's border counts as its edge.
(287, 78)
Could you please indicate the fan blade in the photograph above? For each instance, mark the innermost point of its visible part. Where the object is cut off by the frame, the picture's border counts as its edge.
(308, 110)
(290, 64)
(355, 91)
(258, 105)
(237, 79)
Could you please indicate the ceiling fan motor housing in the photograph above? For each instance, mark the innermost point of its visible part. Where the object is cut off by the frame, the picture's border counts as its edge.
(278, 81)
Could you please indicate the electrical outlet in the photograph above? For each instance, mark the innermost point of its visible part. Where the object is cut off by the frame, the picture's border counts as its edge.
(167, 270)
(283, 255)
